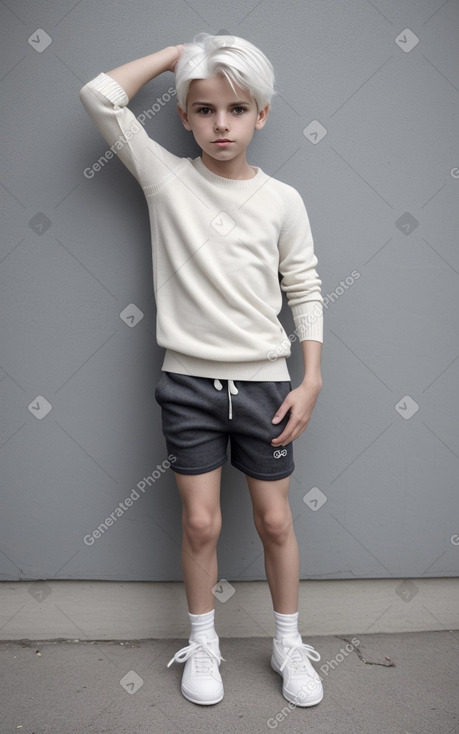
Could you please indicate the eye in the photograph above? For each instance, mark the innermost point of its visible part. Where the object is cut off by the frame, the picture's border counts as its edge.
(239, 110)
(203, 110)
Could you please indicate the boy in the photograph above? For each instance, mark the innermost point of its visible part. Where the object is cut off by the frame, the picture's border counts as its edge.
(222, 231)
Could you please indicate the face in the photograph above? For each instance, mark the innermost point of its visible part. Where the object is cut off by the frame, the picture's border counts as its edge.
(215, 113)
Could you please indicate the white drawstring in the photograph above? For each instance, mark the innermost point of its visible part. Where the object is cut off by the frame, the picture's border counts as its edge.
(232, 390)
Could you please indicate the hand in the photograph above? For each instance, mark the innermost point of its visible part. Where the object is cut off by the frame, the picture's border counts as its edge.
(180, 48)
(300, 402)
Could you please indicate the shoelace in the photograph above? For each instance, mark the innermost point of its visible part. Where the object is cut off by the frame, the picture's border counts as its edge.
(232, 390)
(204, 656)
(296, 655)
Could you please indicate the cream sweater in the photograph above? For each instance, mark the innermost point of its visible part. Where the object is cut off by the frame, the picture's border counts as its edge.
(223, 251)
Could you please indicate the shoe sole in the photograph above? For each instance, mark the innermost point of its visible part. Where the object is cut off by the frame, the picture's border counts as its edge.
(202, 703)
(285, 693)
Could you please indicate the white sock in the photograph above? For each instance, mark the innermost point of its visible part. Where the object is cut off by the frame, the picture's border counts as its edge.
(286, 625)
(203, 623)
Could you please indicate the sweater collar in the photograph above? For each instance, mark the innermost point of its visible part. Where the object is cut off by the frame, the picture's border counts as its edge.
(229, 183)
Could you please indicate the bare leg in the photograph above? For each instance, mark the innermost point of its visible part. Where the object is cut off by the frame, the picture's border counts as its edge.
(201, 525)
(273, 521)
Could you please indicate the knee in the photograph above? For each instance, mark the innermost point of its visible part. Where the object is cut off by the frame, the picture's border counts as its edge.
(201, 527)
(274, 526)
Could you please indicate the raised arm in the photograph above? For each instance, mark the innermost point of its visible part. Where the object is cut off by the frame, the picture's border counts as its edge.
(135, 74)
(105, 99)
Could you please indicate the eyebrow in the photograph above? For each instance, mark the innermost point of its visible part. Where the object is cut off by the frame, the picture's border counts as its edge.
(209, 104)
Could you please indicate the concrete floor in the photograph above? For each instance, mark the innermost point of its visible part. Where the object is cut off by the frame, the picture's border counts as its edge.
(404, 683)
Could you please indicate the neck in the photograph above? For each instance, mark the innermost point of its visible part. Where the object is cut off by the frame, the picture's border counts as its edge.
(237, 168)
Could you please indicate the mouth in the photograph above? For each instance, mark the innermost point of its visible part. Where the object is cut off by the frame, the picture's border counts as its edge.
(222, 141)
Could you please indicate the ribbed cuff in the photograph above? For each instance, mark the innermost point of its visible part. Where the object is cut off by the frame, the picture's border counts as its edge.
(309, 321)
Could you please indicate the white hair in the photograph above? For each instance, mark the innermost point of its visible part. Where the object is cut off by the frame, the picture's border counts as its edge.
(242, 63)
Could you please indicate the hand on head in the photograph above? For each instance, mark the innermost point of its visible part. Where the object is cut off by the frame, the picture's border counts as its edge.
(180, 47)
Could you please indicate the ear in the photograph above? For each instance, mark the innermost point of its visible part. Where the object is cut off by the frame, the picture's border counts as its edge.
(262, 117)
(184, 118)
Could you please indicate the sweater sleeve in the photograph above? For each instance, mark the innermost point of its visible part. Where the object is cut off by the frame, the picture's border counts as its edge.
(106, 103)
(299, 278)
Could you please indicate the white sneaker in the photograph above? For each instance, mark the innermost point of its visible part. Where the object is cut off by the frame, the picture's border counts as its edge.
(201, 679)
(302, 685)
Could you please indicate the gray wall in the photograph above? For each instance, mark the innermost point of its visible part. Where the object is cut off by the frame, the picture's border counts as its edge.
(375, 491)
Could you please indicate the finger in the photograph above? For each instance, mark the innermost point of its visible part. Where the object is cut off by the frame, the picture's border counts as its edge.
(288, 434)
(282, 412)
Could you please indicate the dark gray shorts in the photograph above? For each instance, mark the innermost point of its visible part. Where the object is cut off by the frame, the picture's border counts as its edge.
(200, 414)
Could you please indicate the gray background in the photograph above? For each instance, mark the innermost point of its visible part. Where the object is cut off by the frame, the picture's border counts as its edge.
(381, 189)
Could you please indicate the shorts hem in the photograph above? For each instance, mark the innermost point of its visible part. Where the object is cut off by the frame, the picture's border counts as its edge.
(262, 476)
(191, 470)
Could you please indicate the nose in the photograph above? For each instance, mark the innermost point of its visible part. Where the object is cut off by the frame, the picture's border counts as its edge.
(221, 121)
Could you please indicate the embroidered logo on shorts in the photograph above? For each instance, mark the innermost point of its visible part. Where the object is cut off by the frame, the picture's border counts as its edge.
(278, 453)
